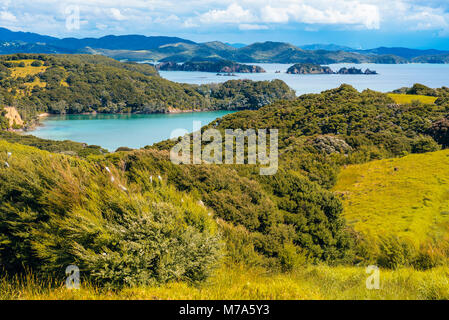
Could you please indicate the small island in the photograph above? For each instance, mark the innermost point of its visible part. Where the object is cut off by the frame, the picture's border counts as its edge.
(354, 70)
(309, 68)
(218, 66)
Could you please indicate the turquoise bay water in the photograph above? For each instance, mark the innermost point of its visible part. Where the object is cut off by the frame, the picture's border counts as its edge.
(135, 131)
(390, 77)
(121, 130)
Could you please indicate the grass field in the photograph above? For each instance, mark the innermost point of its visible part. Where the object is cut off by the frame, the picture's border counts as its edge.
(234, 282)
(409, 98)
(27, 70)
(407, 197)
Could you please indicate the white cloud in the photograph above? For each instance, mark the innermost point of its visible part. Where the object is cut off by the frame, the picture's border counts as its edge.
(246, 26)
(172, 16)
(170, 19)
(116, 14)
(233, 14)
(6, 16)
(423, 18)
(275, 15)
(342, 12)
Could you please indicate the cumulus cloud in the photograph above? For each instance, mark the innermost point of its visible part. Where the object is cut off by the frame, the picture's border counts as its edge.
(336, 12)
(116, 14)
(6, 16)
(234, 13)
(246, 26)
(172, 16)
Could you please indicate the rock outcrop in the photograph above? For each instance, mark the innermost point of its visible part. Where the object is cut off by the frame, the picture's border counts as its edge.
(219, 66)
(309, 68)
(354, 70)
(13, 117)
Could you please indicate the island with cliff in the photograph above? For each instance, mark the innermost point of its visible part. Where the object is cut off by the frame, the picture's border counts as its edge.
(218, 66)
(310, 68)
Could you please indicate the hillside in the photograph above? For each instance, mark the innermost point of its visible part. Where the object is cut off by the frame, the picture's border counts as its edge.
(126, 42)
(164, 49)
(87, 83)
(439, 58)
(137, 210)
(405, 53)
(411, 198)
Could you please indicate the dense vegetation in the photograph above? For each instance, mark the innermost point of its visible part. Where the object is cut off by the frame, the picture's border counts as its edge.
(58, 210)
(318, 134)
(420, 89)
(66, 147)
(87, 83)
(74, 210)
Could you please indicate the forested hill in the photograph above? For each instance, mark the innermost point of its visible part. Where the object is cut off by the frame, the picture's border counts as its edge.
(166, 49)
(85, 83)
(279, 222)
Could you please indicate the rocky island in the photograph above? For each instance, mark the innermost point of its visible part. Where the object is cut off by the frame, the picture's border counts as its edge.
(309, 68)
(353, 70)
(219, 66)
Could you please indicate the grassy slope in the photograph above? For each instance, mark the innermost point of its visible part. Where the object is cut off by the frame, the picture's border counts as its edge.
(307, 282)
(408, 196)
(234, 282)
(409, 98)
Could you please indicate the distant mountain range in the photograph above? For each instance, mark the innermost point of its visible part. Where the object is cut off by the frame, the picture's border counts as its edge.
(328, 47)
(174, 49)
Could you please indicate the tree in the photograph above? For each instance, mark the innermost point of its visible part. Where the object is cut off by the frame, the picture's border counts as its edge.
(440, 131)
(36, 63)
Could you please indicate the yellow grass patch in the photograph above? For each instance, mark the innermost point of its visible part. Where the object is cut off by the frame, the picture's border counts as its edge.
(236, 282)
(406, 197)
(409, 98)
(19, 72)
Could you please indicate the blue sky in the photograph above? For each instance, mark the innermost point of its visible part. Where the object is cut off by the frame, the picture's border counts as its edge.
(356, 23)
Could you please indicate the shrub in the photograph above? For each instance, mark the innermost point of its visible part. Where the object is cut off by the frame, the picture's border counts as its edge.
(394, 253)
(126, 149)
(421, 89)
(57, 210)
(424, 144)
(291, 257)
(431, 255)
(36, 63)
(440, 131)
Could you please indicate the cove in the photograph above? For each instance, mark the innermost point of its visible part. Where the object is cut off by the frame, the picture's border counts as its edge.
(111, 131)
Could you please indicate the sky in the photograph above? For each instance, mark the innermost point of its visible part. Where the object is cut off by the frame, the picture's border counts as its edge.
(360, 24)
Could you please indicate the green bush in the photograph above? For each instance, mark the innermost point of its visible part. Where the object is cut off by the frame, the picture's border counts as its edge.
(56, 211)
(36, 63)
(424, 144)
(291, 257)
(395, 253)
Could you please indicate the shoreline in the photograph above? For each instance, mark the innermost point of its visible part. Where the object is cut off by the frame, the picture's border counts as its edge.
(36, 122)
